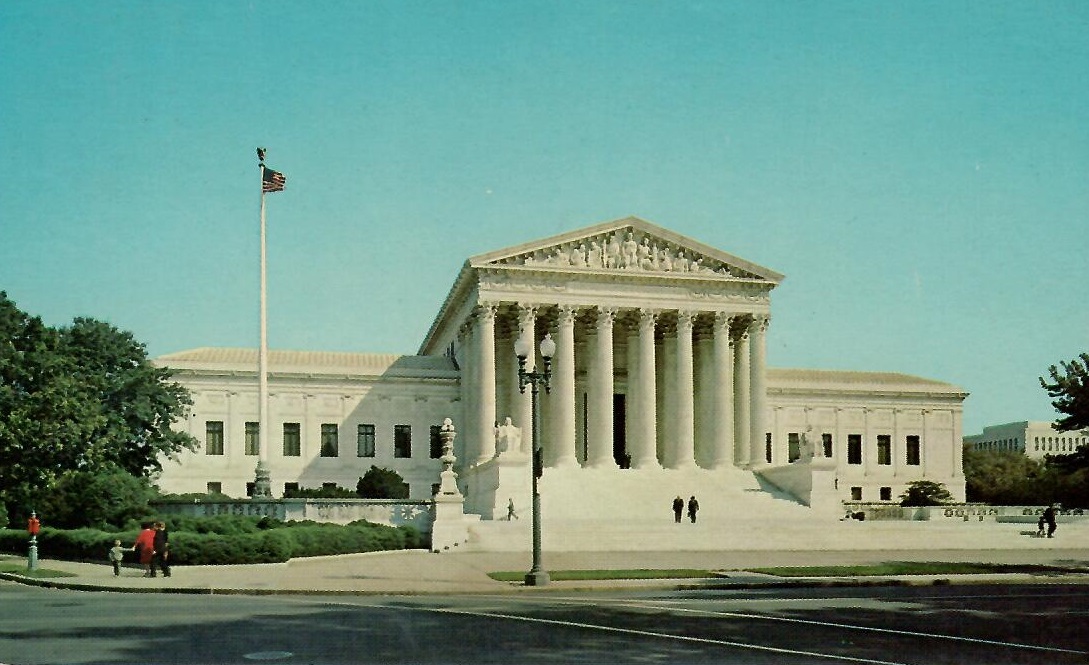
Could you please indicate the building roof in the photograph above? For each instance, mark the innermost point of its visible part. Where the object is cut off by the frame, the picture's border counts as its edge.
(308, 362)
(826, 379)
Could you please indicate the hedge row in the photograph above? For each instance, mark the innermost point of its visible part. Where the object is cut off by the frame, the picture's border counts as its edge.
(268, 545)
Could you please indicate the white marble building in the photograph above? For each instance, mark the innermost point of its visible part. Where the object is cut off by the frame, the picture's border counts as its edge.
(1033, 438)
(660, 374)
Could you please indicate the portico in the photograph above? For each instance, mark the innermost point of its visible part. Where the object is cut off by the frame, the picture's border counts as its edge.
(660, 359)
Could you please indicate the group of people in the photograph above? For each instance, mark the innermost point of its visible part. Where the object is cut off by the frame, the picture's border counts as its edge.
(1047, 519)
(152, 548)
(678, 508)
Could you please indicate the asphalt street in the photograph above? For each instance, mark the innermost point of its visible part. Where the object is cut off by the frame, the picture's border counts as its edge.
(915, 625)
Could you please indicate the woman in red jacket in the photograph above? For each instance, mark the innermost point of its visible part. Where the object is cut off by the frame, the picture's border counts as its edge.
(145, 547)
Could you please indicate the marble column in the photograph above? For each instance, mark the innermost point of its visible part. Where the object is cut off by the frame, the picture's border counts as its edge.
(600, 425)
(562, 431)
(523, 402)
(742, 407)
(469, 371)
(722, 429)
(759, 389)
(643, 446)
(684, 407)
(485, 388)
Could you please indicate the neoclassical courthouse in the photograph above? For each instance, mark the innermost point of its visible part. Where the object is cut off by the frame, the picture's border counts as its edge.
(659, 385)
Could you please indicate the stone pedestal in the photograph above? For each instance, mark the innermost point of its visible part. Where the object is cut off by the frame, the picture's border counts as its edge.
(495, 484)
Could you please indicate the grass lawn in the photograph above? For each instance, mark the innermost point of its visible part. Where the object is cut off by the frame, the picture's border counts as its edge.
(21, 569)
(582, 575)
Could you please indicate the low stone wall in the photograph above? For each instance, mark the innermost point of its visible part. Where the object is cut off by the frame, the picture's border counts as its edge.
(394, 512)
(963, 512)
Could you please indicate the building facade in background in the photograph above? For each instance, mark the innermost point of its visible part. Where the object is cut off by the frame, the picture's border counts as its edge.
(1033, 438)
(659, 373)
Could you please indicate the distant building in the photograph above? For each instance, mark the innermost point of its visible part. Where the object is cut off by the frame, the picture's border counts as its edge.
(659, 385)
(1033, 438)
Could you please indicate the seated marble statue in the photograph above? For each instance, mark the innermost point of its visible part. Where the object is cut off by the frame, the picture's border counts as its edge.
(508, 437)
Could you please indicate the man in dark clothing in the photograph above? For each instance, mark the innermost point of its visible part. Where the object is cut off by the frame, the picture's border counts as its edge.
(693, 506)
(678, 508)
(161, 558)
(1049, 519)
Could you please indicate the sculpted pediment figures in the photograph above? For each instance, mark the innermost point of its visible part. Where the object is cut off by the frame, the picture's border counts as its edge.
(626, 248)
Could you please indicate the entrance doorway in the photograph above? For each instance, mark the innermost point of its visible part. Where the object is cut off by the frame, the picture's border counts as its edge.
(620, 444)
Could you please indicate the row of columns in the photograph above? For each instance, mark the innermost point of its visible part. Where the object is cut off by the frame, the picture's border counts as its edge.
(661, 391)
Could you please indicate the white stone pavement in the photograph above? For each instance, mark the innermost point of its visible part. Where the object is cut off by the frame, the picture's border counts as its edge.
(466, 571)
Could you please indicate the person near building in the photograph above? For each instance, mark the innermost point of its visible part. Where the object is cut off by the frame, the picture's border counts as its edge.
(693, 506)
(1049, 519)
(678, 508)
(161, 558)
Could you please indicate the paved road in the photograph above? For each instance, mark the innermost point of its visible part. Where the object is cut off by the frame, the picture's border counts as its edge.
(927, 625)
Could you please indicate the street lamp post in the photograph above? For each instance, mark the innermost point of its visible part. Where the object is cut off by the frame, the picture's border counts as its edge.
(537, 576)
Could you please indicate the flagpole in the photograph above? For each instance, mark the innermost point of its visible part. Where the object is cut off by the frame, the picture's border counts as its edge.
(262, 486)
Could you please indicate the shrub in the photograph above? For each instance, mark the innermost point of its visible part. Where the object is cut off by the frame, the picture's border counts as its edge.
(379, 483)
(101, 500)
(925, 493)
(335, 492)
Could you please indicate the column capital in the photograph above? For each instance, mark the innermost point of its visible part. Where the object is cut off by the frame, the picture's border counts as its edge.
(723, 322)
(686, 318)
(565, 314)
(486, 310)
(759, 323)
(606, 315)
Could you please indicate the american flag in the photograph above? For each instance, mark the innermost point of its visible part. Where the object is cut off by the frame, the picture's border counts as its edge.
(272, 181)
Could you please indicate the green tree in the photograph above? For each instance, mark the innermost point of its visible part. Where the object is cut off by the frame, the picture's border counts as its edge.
(103, 499)
(1069, 390)
(925, 493)
(379, 483)
(80, 398)
(1005, 478)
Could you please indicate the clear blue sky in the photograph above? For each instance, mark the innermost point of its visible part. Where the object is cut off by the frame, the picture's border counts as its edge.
(918, 170)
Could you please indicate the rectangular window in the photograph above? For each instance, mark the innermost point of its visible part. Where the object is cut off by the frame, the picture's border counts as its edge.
(856, 494)
(913, 450)
(250, 488)
(213, 437)
(402, 441)
(886, 494)
(290, 489)
(884, 449)
(328, 486)
(826, 440)
(436, 442)
(215, 488)
(253, 438)
(794, 447)
(292, 440)
(330, 440)
(854, 449)
(364, 440)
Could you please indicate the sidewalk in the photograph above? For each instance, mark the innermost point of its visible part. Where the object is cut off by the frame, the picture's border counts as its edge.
(416, 572)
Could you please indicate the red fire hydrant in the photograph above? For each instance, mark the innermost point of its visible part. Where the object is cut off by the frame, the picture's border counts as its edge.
(33, 526)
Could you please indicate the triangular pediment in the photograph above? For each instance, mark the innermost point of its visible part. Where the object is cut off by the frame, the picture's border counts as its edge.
(631, 245)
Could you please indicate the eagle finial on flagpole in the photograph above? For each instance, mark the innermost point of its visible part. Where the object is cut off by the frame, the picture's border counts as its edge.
(261, 154)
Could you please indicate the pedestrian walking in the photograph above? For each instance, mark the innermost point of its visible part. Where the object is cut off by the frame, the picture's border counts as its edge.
(145, 548)
(161, 558)
(678, 508)
(511, 514)
(1049, 519)
(693, 506)
(117, 554)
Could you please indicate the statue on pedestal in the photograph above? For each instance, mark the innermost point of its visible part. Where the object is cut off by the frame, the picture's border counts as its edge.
(508, 437)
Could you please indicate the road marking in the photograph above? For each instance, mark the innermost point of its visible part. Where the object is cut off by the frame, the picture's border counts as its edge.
(891, 631)
(647, 633)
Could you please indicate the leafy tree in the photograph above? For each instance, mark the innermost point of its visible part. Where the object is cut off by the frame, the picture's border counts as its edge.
(79, 398)
(925, 493)
(1005, 478)
(379, 483)
(103, 499)
(1069, 388)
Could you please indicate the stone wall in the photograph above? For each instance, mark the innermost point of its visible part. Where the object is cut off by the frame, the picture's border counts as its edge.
(394, 512)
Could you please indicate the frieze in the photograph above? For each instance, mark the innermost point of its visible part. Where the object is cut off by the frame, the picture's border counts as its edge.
(628, 250)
